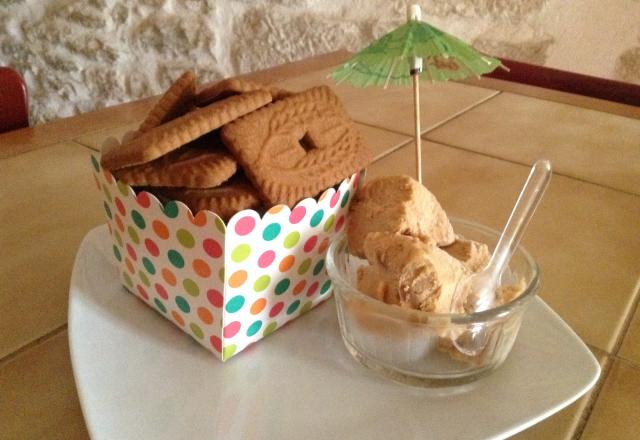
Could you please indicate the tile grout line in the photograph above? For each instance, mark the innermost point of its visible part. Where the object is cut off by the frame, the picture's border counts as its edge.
(593, 398)
(31, 344)
(515, 162)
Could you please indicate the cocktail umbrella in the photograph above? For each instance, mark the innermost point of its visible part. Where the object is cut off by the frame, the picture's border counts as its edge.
(414, 50)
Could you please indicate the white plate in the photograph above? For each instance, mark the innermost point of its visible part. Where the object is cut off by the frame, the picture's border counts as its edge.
(139, 377)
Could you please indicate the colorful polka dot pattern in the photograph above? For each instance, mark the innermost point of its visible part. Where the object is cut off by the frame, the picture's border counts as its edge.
(226, 286)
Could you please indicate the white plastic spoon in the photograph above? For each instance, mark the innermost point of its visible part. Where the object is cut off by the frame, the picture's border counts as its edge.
(478, 292)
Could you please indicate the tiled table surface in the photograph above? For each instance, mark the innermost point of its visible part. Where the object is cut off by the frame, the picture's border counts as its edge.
(480, 141)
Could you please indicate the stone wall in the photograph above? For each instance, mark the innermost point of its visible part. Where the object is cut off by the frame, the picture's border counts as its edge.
(81, 55)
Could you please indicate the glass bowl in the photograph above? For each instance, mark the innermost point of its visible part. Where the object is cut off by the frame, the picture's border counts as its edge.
(420, 348)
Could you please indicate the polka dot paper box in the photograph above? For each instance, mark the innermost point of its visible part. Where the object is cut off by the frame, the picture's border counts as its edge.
(227, 286)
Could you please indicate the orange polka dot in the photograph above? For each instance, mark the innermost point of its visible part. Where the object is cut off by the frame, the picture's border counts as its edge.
(323, 246)
(129, 265)
(299, 287)
(201, 268)
(160, 229)
(169, 277)
(258, 306)
(287, 263)
(200, 219)
(276, 209)
(238, 278)
(119, 223)
(205, 315)
(177, 318)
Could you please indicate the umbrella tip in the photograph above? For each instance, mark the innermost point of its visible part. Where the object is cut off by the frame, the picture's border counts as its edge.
(414, 13)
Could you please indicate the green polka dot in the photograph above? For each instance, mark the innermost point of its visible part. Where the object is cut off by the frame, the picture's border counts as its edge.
(345, 199)
(123, 188)
(221, 274)
(143, 278)
(148, 265)
(127, 279)
(183, 304)
(293, 307)
(282, 286)
(304, 267)
(118, 237)
(329, 223)
(270, 329)
(235, 304)
(134, 235)
(316, 218)
(196, 330)
(254, 328)
(176, 259)
(318, 267)
(240, 253)
(220, 226)
(229, 351)
(191, 287)
(261, 283)
(116, 252)
(292, 239)
(306, 307)
(185, 238)
(108, 211)
(171, 209)
(325, 287)
(96, 165)
(107, 193)
(159, 305)
(271, 231)
(137, 219)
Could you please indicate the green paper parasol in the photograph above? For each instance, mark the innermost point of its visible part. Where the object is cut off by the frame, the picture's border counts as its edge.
(415, 49)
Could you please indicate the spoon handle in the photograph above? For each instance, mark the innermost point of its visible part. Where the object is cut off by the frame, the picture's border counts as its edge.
(523, 210)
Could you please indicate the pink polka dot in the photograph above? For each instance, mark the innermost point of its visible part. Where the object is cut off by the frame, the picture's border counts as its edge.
(143, 199)
(231, 329)
(143, 293)
(131, 252)
(334, 199)
(340, 223)
(216, 343)
(215, 298)
(162, 292)
(120, 206)
(297, 214)
(266, 259)
(152, 247)
(277, 308)
(212, 248)
(312, 289)
(245, 225)
(310, 243)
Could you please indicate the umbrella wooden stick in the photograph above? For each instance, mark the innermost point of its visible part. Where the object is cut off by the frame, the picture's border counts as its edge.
(416, 112)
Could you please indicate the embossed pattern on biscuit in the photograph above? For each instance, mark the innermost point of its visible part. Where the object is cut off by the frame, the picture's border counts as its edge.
(176, 101)
(190, 166)
(180, 131)
(296, 147)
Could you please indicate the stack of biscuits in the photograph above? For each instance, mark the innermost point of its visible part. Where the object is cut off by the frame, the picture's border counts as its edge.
(238, 145)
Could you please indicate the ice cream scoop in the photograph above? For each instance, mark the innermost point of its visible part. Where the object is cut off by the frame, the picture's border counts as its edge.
(478, 291)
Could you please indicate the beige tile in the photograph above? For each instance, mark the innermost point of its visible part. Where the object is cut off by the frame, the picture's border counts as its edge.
(630, 348)
(95, 139)
(585, 237)
(39, 399)
(588, 144)
(48, 203)
(393, 108)
(616, 413)
(563, 424)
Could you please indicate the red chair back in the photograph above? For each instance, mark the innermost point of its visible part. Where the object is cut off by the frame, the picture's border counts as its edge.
(14, 108)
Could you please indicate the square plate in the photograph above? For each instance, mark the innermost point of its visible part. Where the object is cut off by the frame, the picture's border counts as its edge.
(140, 377)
